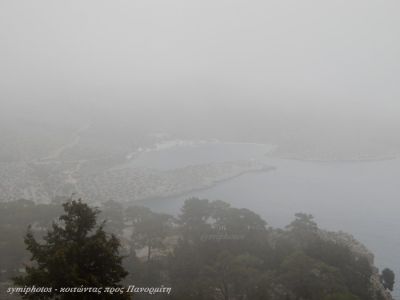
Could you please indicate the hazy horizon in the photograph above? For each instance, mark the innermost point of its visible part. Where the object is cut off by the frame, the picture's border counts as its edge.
(217, 57)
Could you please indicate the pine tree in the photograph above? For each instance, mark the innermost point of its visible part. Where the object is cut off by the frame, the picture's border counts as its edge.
(76, 252)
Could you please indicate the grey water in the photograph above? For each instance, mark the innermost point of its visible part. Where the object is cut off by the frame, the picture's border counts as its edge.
(359, 197)
(180, 154)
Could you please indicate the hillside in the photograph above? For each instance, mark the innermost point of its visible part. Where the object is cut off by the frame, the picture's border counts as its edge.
(215, 251)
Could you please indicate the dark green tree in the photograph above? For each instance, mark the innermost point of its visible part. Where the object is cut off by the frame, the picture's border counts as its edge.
(238, 277)
(113, 212)
(308, 278)
(387, 279)
(193, 219)
(149, 228)
(75, 252)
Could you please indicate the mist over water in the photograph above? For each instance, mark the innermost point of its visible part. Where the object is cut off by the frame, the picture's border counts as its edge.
(156, 101)
(360, 197)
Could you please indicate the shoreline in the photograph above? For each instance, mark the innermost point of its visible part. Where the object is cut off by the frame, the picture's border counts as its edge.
(320, 160)
(200, 189)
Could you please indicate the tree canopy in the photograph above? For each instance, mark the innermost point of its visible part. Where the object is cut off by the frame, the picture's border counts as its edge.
(75, 252)
(210, 251)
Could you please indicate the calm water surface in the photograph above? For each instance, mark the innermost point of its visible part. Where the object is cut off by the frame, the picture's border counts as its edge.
(361, 198)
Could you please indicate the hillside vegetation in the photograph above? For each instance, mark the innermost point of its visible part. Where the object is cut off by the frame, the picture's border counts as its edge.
(210, 251)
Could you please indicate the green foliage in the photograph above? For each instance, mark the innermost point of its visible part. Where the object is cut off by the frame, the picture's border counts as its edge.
(75, 252)
(194, 217)
(296, 263)
(341, 296)
(149, 228)
(387, 279)
(15, 217)
(212, 251)
(309, 278)
(354, 269)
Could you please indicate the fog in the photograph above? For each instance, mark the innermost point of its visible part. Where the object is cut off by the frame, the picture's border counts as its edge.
(316, 79)
(226, 59)
(280, 106)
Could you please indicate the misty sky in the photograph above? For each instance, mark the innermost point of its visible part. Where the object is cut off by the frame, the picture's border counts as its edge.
(244, 57)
